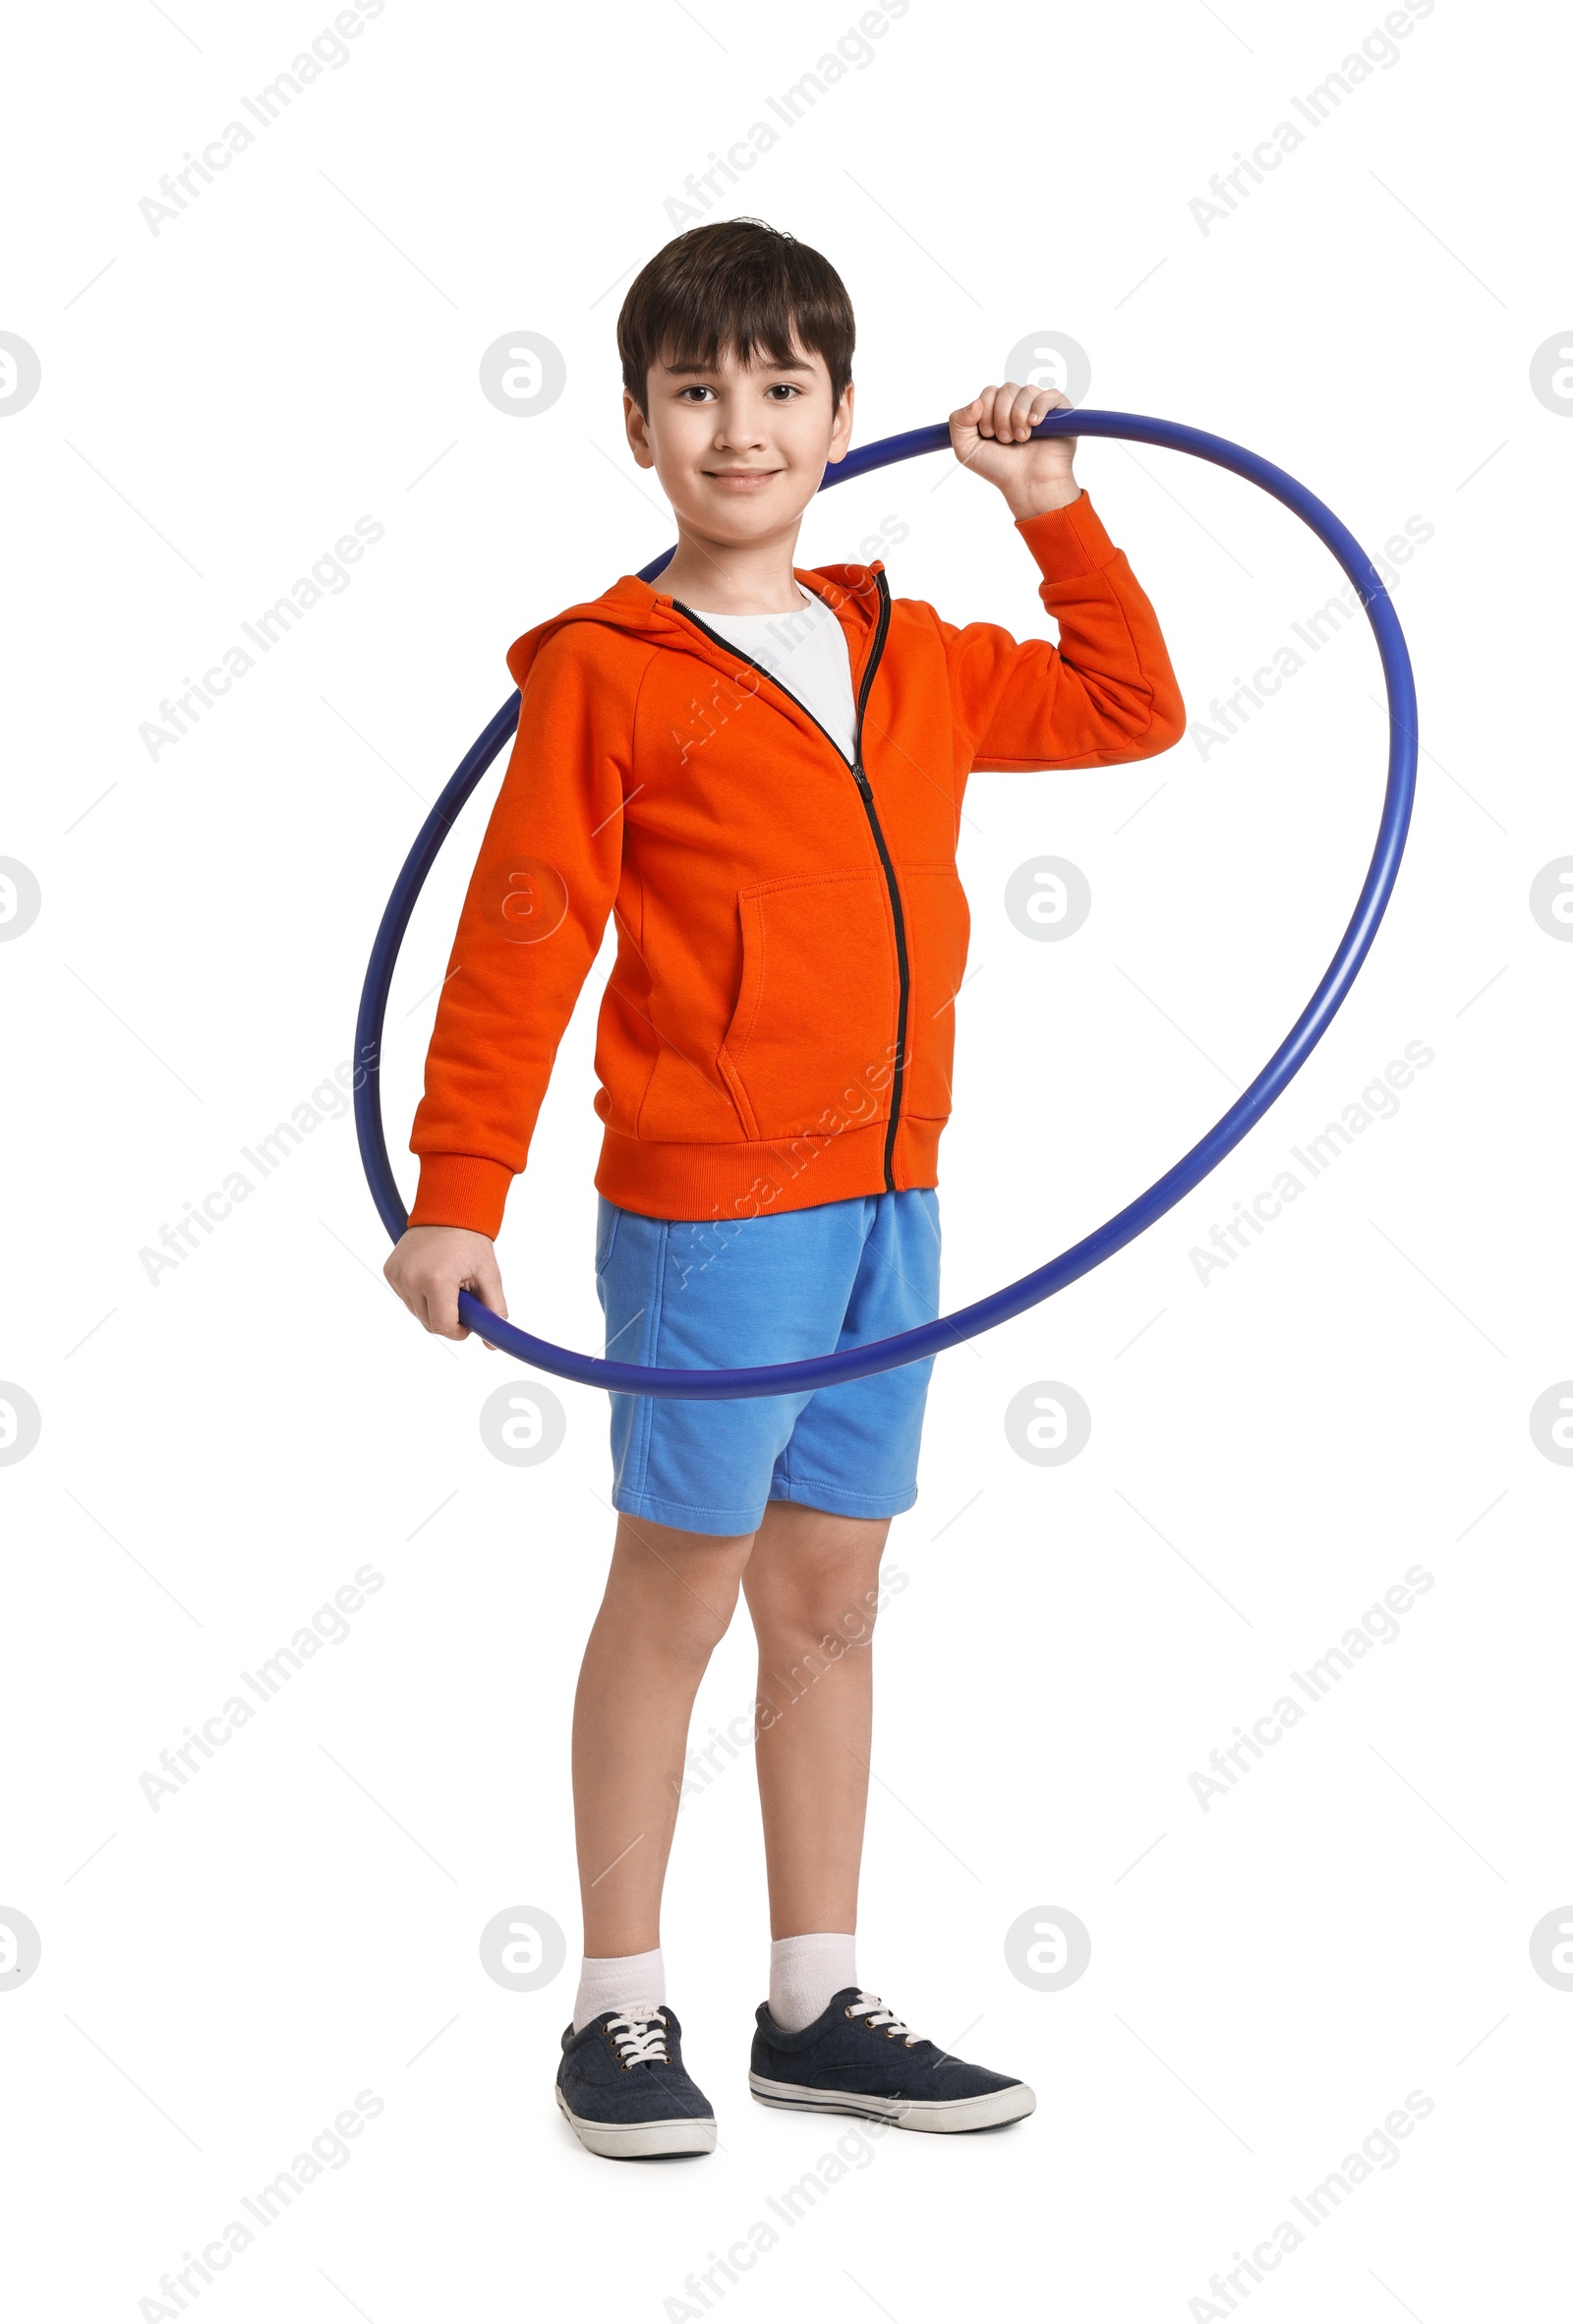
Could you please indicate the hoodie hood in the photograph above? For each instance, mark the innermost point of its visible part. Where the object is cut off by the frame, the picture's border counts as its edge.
(645, 614)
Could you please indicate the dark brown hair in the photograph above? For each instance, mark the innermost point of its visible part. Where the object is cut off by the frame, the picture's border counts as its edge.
(736, 287)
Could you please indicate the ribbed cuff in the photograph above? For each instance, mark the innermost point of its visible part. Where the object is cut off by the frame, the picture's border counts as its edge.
(461, 1190)
(1068, 542)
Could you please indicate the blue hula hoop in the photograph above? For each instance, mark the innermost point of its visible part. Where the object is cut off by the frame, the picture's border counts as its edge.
(947, 1331)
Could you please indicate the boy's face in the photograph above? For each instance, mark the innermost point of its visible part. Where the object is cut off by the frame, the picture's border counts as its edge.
(739, 449)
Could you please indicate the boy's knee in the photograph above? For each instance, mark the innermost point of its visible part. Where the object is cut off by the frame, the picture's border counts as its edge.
(817, 1567)
(692, 1627)
(683, 1586)
(803, 1652)
(827, 1605)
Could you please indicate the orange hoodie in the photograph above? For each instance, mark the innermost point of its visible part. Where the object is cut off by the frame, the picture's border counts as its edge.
(776, 1029)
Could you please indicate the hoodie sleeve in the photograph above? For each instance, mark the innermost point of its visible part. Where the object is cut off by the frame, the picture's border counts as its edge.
(1105, 694)
(531, 922)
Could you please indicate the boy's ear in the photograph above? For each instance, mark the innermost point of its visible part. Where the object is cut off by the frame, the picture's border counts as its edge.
(841, 435)
(633, 420)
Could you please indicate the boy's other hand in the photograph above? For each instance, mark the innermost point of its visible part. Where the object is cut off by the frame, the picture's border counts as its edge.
(428, 1267)
(992, 435)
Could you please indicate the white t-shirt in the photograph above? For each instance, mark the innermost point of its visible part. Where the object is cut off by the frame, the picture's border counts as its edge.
(806, 652)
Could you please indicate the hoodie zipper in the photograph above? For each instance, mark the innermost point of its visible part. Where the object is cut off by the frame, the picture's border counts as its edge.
(866, 795)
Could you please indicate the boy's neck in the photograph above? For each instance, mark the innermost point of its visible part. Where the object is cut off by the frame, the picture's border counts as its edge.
(730, 576)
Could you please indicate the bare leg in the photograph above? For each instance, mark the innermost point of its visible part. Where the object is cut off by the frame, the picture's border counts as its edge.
(812, 1584)
(668, 1598)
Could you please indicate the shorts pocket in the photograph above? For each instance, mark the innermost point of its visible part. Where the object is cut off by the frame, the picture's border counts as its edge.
(811, 1041)
(608, 1218)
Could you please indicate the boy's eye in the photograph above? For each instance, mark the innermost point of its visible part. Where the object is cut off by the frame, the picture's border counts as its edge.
(782, 390)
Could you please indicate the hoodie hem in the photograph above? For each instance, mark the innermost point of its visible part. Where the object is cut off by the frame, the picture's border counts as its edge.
(754, 1177)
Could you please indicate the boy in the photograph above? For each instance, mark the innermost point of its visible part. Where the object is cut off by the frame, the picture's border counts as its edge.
(759, 770)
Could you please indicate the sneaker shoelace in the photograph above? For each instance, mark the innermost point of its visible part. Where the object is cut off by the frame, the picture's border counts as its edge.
(641, 2037)
(870, 2008)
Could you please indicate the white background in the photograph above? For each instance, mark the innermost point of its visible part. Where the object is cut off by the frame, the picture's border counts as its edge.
(221, 1449)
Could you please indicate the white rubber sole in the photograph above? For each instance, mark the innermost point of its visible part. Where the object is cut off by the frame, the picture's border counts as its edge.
(984, 2113)
(626, 2141)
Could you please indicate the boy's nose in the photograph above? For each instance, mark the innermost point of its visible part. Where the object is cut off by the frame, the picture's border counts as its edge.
(738, 433)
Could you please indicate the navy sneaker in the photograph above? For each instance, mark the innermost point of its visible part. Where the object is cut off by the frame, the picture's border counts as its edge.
(623, 2086)
(859, 2058)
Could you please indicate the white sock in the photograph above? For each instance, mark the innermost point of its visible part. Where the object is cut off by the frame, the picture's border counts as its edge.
(626, 1982)
(805, 1972)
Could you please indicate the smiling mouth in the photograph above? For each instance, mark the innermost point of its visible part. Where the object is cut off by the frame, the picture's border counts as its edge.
(741, 476)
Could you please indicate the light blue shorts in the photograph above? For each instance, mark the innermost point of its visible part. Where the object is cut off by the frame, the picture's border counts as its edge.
(702, 1293)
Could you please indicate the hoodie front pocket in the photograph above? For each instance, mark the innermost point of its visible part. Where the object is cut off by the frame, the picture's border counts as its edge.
(812, 1038)
(938, 928)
